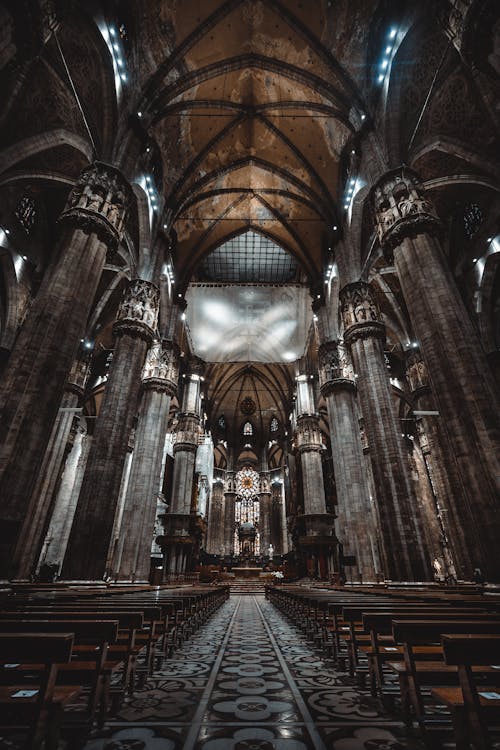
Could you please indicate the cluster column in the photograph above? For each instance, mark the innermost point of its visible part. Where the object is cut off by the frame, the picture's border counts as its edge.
(318, 536)
(30, 539)
(159, 384)
(404, 555)
(264, 514)
(462, 383)
(215, 531)
(87, 555)
(90, 226)
(356, 519)
(277, 517)
(229, 511)
(178, 539)
(441, 470)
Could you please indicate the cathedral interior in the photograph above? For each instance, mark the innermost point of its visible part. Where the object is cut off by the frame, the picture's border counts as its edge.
(249, 373)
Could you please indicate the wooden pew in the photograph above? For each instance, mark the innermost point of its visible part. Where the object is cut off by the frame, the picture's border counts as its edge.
(89, 667)
(38, 706)
(414, 674)
(474, 708)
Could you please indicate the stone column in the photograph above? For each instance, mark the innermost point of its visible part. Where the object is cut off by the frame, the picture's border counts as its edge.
(356, 520)
(461, 380)
(229, 507)
(215, 531)
(264, 514)
(30, 539)
(30, 395)
(159, 384)
(317, 536)
(439, 463)
(178, 538)
(56, 539)
(120, 505)
(91, 535)
(277, 516)
(403, 548)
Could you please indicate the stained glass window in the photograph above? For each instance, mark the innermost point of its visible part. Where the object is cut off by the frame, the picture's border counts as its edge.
(246, 510)
(26, 212)
(247, 428)
(274, 427)
(473, 218)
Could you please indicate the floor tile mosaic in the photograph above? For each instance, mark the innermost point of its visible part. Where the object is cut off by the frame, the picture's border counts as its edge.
(248, 680)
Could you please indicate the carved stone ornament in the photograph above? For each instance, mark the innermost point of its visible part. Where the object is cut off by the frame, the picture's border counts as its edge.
(99, 203)
(230, 483)
(308, 434)
(416, 372)
(78, 375)
(138, 311)
(360, 312)
(264, 484)
(161, 369)
(335, 367)
(402, 209)
(187, 434)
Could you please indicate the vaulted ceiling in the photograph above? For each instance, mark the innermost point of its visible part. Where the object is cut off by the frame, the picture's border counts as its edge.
(251, 104)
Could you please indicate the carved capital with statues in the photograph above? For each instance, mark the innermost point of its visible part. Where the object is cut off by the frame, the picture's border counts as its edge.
(360, 313)
(416, 372)
(264, 484)
(402, 209)
(161, 369)
(138, 311)
(187, 434)
(335, 368)
(230, 483)
(79, 373)
(308, 434)
(99, 202)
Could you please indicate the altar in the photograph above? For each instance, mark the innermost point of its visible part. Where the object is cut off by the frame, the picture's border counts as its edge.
(246, 572)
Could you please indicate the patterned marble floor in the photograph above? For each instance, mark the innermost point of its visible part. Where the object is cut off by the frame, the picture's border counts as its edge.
(248, 680)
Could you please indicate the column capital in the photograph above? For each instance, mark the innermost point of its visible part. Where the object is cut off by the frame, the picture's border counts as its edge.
(335, 368)
(79, 373)
(402, 209)
(138, 312)
(99, 202)
(360, 312)
(187, 433)
(416, 372)
(161, 369)
(308, 434)
(264, 483)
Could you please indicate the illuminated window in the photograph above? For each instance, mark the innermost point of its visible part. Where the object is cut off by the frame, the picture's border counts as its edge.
(247, 429)
(274, 427)
(473, 218)
(249, 257)
(222, 422)
(26, 213)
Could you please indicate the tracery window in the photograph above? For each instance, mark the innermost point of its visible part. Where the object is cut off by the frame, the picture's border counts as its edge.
(26, 213)
(222, 422)
(247, 428)
(246, 507)
(274, 426)
(473, 218)
(246, 510)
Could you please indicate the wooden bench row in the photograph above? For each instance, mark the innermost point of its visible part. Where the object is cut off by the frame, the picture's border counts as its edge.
(405, 638)
(108, 637)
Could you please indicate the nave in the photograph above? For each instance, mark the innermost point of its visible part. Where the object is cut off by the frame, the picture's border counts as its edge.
(250, 679)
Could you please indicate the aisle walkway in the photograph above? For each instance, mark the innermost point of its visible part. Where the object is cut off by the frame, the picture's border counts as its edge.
(249, 680)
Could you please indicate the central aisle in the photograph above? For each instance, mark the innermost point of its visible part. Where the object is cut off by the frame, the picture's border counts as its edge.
(248, 680)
